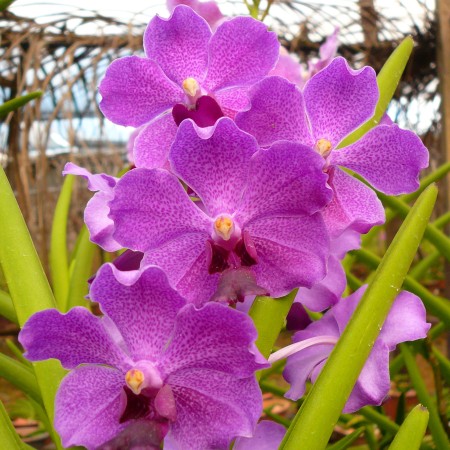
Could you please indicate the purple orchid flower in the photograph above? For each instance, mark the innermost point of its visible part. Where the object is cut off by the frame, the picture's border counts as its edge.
(268, 436)
(336, 101)
(260, 210)
(151, 361)
(209, 10)
(307, 356)
(188, 72)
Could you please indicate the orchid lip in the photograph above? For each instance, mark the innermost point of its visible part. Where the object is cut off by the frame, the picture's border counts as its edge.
(297, 346)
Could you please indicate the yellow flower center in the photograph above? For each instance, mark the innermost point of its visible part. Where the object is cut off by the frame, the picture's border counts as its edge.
(190, 87)
(224, 227)
(135, 379)
(323, 146)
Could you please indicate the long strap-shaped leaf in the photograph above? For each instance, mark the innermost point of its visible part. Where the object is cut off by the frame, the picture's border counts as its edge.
(412, 430)
(15, 103)
(27, 283)
(9, 439)
(59, 264)
(437, 430)
(313, 424)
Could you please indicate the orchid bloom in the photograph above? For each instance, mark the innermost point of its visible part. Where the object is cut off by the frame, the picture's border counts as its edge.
(308, 354)
(259, 213)
(335, 102)
(188, 72)
(151, 368)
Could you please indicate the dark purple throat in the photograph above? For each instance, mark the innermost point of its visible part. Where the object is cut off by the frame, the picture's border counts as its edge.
(205, 113)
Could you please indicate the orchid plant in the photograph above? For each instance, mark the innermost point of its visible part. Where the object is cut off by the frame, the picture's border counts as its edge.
(250, 182)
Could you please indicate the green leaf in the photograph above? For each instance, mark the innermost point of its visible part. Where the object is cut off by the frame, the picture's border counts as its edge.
(20, 376)
(5, 4)
(436, 428)
(314, 423)
(82, 271)
(412, 430)
(269, 315)
(7, 307)
(8, 436)
(58, 243)
(16, 103)
(345, 442)
(27, 283)
(387, 80)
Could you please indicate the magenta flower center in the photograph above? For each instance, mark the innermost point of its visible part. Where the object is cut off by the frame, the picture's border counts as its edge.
(229, 247)
(146, 395)
(204, 111)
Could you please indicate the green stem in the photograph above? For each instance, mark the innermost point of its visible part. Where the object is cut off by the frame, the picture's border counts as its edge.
(436, 428)
(439, 173)
(269, 315)
(314, 423)
(381, 420)
(8, 436)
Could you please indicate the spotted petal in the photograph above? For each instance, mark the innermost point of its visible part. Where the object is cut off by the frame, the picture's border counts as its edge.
(354, 205)
(241, 52)
(88, 406)
(216, 167)
(135, 90)
(277, 112)
(77, 337)
(197, 342)
(338, 100)
(389, 158)
(292, 252)
(150, 208)
(212, 408)
(142, 305)
(151, 147)
(179, 44)
(286, 179)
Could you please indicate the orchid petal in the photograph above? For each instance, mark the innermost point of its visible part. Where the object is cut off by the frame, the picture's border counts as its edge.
(338, 92)
(179, 44)
(144, 321)
(388, 157)
(241, 51)
(216, 168)
(77, 337)
(277, 113)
